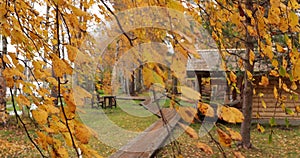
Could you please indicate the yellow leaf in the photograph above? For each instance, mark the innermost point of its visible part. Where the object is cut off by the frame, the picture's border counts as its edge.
(69, 99)
(206, 109)
(52, 81)
(274, 73)
(267, 50)
(40, 116)
(283, 106)
(235, 18)
(22, 101)
(179, 156)
(51, 109)
(260, 128)
(275, 92)
(189, 93)
(296, 69)
(60, 67)
(279, 48)
(293, 4)
(293, 19)
(67, 138)
(232, 77)
(238, 154)
(297, 108)
(190, 131)
(234, 135)
(273, 16)
(207, 149)
(263, 103)
(224, 138)
(62, 152)
(11, 72)
(72, 52)
(264, 81)
(82, 133)
(187, 113)
(151, 77)
(160, 72)
(5, 59)
(251, 30)
(231, 114)
(42, 140)
(88, 152)
(294, 86)
(285, 88)
(48, 130)
(78, 12)
(283, 25)
(275, 63)
(249, 75)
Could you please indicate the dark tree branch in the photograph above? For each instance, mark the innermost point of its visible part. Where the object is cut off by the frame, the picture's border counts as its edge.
(119, 24)
(59, 83)
(23, 124)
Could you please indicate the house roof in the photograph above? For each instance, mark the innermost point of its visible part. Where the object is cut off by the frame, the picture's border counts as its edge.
(211, 60)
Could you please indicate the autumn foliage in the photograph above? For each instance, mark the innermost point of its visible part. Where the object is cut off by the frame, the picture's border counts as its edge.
(50, 42)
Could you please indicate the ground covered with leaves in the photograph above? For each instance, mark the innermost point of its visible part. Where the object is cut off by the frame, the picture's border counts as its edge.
(285, 141)
(15, 143)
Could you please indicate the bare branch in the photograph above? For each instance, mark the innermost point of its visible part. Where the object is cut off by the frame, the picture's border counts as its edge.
(119, 24)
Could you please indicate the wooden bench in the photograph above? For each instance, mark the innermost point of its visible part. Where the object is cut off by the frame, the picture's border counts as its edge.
(104, 101)
(99, 101)
(111, 100)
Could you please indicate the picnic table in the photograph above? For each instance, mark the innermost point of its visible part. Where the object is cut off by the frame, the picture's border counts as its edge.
(105, 101)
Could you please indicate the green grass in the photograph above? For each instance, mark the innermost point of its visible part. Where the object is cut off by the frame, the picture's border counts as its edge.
(117, 126)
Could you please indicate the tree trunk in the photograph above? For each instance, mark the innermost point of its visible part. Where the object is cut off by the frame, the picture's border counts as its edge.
(174, 85)
(248, 88)
(3, 113)
(139, 79)
(132, 84)
(247, 108)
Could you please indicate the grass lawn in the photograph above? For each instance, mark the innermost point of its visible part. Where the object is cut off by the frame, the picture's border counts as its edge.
(115, 127)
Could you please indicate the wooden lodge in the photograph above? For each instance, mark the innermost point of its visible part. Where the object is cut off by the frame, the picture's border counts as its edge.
(207, 73)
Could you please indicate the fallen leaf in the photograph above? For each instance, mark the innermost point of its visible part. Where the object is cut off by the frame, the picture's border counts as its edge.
(204, 147)
(238, 154)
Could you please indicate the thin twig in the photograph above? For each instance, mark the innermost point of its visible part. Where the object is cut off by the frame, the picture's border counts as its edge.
(216, 142)
(30, 69)
(59, 84)
(23, 124)
(119, 24)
